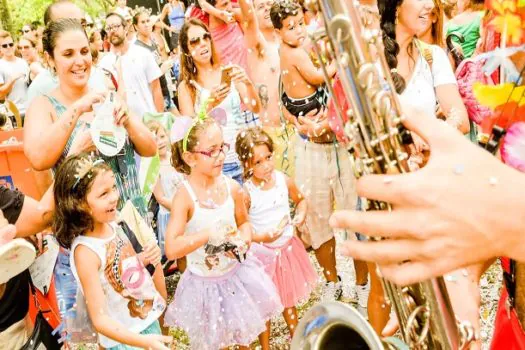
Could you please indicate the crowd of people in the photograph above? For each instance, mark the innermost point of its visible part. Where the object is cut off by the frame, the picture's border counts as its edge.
(254, 174)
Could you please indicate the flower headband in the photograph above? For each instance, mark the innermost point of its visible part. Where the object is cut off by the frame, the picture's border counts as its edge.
(84, 166)
(182, 126)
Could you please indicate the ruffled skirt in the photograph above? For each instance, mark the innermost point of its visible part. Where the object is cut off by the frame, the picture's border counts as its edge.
(290, 269)
(217, 312)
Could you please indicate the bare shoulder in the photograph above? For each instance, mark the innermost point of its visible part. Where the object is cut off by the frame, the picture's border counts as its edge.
(184, 86)
(42, 109)
(86, 255)
(235, 188)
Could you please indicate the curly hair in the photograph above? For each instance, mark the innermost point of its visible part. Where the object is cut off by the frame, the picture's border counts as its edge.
(281, 10)
(388, 13)
(72, 217)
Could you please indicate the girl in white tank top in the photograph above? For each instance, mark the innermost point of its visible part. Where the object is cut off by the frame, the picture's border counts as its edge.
(224, 297)
(282, 253)
(122, 285)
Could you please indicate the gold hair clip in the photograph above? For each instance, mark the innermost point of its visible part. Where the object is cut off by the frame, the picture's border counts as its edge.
(84, 166)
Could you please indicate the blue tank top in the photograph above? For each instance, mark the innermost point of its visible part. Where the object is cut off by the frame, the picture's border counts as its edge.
(176, 16)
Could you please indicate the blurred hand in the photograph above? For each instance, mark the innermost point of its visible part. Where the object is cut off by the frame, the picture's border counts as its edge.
(445, 216)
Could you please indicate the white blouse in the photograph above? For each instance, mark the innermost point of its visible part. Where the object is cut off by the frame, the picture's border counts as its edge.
(420, 89)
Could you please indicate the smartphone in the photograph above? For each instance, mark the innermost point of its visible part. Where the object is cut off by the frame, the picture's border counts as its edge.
(225, 77)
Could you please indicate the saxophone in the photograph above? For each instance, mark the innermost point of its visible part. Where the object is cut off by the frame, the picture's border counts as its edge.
(379, 143)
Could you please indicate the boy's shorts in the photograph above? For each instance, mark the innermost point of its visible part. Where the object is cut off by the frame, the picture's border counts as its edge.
(325, 176)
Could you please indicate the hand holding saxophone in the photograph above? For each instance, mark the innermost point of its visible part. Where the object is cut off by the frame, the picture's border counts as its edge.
(426, 237)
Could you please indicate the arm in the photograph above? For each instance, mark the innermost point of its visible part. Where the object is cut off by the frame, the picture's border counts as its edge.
(158, 99)
(209, 9)
(252, 36)
(141, 137)
(314, 125)
(160, 282)
(6, 88)
(247, 91)
(241, 213)
(35, 216)
(185, 100)
(311, 74)
(452, 105)
(163, 15)
(447, 93)
(299, 200)
(45, 139)
(36, 68)
(158, 192)
(179, 245)
(87, 262)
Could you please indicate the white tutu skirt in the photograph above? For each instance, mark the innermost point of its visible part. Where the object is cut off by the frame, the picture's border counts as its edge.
(217, 312)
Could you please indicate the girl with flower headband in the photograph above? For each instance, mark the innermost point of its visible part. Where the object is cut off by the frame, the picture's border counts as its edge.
(123, 302)
(223, 298)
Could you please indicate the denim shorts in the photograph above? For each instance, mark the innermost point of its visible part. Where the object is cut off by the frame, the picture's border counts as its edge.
(234, 171)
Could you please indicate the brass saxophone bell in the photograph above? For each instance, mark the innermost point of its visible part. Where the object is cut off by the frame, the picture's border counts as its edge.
(335, 326)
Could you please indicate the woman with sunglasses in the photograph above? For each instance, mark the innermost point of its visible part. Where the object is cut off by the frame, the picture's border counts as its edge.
(28, 50)
(221, 90)
(13, 74)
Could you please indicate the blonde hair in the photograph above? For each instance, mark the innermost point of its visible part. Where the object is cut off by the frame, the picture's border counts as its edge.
(154, 126)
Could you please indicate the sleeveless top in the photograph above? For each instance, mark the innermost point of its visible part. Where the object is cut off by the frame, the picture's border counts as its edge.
(269, 207)
(200, 263)
(176, 17)
(470, 31)
(227, 114)
(123, 164)
(228, 39)
(131, 296)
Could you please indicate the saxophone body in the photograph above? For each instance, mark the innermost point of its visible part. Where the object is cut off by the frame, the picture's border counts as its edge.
(379, 144)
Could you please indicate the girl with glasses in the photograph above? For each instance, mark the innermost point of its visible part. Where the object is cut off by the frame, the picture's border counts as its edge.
(224, 297)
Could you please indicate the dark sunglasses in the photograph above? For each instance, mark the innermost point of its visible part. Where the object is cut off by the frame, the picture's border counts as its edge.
(197, 40)
(5, 46)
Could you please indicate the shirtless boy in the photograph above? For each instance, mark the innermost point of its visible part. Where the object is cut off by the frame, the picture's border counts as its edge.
(326, 174)
(302, 80)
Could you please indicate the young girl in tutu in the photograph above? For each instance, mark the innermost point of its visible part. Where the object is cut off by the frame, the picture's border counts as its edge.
(222, 299)
(168, 182)
(123, 301)
(267, 198)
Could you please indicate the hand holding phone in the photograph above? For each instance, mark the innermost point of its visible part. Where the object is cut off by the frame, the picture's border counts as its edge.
(226, 76)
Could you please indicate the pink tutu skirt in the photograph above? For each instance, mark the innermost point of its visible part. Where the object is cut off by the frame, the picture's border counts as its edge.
(217, 312)
(290, 269)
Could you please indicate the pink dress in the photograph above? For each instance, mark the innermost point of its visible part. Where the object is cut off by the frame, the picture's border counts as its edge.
(285, 260)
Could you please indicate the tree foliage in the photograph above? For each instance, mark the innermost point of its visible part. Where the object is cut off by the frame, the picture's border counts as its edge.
(15, 13)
